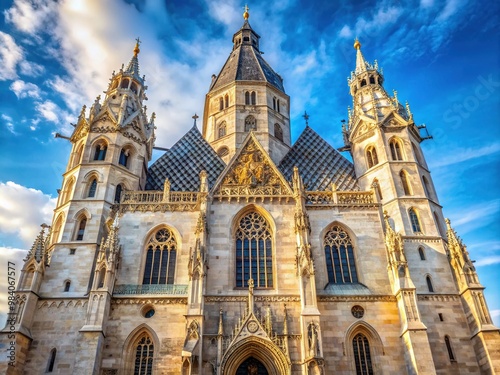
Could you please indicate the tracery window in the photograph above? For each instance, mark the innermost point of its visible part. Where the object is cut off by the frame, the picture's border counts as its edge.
(362, 356)
(160, 258)
(254, 251)
(253, 98)
(250, 123)
(404, 181)
(221, 129)
(124, 156)
(371, 156)
(100, 152)
(339, 256)
(395, 147)
(415, 222)
(278, 132)
(81, 229)
(144, 354)
(92, 188)
(118, 193)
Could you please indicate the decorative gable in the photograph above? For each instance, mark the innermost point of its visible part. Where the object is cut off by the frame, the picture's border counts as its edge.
(251, 173)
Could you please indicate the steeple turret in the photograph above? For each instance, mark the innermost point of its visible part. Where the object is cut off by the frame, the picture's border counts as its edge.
(247, 95)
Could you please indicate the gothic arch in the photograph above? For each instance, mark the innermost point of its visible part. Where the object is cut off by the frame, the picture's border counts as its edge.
(377, 350)
(80, 213)
(235, 225)
(259, 348)
(68, 190)
(396, 148)
(101, 141)
(149, 235)
(129, 347)
(57, 229)
(131, 150)
(354, 244)
(93, 174)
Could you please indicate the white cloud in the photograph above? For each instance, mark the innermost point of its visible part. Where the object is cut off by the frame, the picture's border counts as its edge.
(9, 123)
(451, 7)
(10, 55)
(461, 155)
(48, 110)
(29, 16)
(31, 69)
(488, 261)
(25, 89)
(22, 210)
(473, 216)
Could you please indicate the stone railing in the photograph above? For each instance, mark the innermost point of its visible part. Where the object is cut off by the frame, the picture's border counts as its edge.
(168, 289)
(342, 198)
(248, 192)
(159, 201)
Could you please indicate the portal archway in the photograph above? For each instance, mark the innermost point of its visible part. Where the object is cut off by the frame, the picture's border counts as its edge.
(252, 366)
(268, 358)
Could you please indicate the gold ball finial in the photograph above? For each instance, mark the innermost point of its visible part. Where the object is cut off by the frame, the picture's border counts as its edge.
(136, 48)
(246, 15)
(357, 44)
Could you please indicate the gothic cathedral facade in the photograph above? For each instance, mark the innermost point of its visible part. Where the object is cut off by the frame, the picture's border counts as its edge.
(239, 253)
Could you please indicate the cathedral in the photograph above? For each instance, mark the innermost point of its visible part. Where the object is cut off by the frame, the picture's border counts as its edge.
(240, 253)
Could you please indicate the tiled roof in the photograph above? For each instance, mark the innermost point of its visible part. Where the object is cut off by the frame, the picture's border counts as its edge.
(246, 64)
(183, 163)
(319, 164)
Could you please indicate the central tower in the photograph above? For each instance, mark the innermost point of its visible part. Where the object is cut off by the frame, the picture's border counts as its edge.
(247, 95)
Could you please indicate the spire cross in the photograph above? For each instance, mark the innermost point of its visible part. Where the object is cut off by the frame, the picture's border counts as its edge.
(136, 48)
(306, 117)
(246, 15)
(195, 117)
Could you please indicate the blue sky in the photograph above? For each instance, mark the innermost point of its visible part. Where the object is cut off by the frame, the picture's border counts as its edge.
(441, 56)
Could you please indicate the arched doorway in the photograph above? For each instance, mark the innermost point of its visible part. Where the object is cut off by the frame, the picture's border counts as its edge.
(251, 366)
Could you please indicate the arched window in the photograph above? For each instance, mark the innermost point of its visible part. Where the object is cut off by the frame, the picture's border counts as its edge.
(56, 230)
(278, 132)
(363, 83)
(100, 152)
(226, 101)
(451, 355)
(67, 285)
(160, 258)
(247, 97)
(414, 220)
(144, 354)
(278, 105)
(124, 156)
(339, 256)
(250, 123)
(404, 182)
(124, 84)
(221, 103)
(133, 87)
(421, 253)
(378, 191)
(28, 278)
(254, 255)
(430, 287)
(371, 156)
(92, 188)
(372, 80)
(395, 146)
(362, 356)
(427, 188)
(274, 103)
(118, 193)
(52, 360)
(223, 151)
(81, 229)
(416, 153)
(68, 191)
(101, 278)
(78, 156)
(254, 98)
(221, 129)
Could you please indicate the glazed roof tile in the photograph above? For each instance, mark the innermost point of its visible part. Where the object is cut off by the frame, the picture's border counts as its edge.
(183, 162)
(319, 164)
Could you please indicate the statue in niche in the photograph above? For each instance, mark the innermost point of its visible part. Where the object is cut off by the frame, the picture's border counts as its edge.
(313, 339)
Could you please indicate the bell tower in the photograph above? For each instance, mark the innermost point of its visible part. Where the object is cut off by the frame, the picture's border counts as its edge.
(247, 95)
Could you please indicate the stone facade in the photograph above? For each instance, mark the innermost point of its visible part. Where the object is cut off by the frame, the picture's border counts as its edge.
(249, 271)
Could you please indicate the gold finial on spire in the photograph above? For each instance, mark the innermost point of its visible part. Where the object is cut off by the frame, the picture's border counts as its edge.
(357, 44)
(246, 15)
(136, 48)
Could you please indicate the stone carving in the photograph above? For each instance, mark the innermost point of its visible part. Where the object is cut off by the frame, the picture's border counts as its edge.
(357, 311)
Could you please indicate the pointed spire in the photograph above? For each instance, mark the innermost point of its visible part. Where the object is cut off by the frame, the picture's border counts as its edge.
(133, 65)
(360, 60)
(38, 249)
